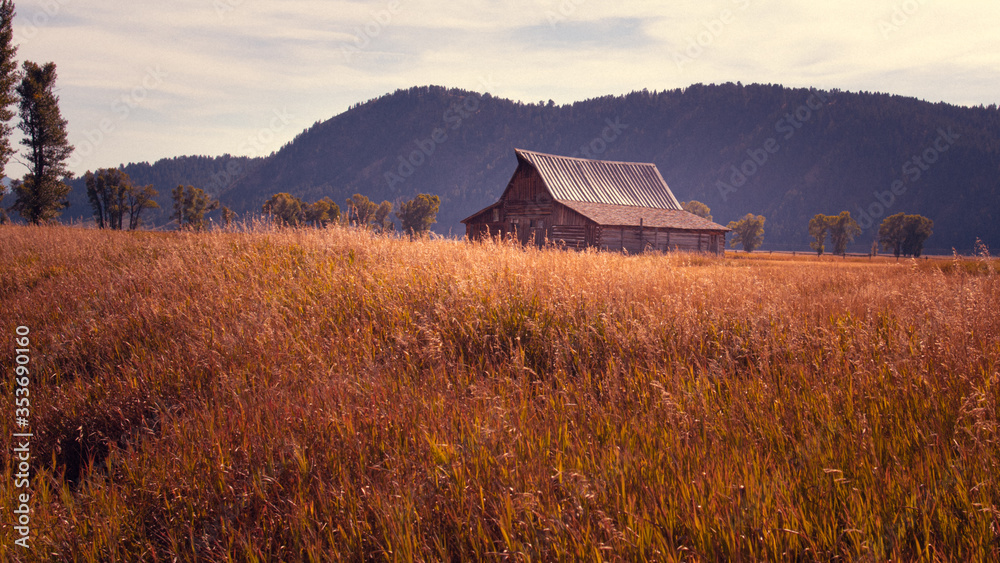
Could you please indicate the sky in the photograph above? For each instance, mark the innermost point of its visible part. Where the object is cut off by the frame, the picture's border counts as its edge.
(142, 80)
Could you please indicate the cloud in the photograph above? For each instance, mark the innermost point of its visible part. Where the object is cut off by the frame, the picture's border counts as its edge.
(228, 65)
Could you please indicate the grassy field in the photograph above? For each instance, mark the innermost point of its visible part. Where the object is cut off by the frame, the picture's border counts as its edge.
(330, 395)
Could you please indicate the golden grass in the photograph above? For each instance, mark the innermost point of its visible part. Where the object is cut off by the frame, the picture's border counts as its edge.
(330, 395)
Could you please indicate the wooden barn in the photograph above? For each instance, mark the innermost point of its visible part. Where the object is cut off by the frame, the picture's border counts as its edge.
(594, 203)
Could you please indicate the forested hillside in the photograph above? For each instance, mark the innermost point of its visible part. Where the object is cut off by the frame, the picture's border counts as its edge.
(787, 154)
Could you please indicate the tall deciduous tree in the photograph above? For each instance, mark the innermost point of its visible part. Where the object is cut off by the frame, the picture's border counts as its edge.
(819, 225)
(138, 200)
(843, 229)
(918, 230)
(417, 215)
(383, 222)
(361, 210)
(42, 194)
(905, 234)
(9, 77)
(113, 197)
(748, 232)
(323, 212)
(190, 206)
(890, 234)
(105, 190)
(286, 209)
(698, 208)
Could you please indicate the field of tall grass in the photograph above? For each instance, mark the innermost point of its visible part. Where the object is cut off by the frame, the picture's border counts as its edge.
(333, 395)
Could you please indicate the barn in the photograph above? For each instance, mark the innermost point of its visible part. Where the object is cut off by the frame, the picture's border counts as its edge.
(580, 203)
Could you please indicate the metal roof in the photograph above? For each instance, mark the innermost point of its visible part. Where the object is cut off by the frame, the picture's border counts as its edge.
(601, 181)
(631, 216)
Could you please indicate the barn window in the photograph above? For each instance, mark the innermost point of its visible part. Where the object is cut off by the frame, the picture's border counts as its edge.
(496, 214)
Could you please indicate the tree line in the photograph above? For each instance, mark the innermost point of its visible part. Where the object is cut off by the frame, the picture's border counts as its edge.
(112, 189)
(118, 204)
(415, 216)
(901, 234)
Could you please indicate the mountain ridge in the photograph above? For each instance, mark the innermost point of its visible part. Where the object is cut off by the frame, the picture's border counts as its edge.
(785, 153)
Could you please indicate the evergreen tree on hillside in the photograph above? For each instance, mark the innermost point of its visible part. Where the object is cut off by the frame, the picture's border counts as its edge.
(41, 195)
(8, 82)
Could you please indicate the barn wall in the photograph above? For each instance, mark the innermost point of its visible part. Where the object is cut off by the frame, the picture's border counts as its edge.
(527, 206)
(525, 186)
(483, 224)
(527, 211)
(635, 239)
(476, 231)
(570, 229)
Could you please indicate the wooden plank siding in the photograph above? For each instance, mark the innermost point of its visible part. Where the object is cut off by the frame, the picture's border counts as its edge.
(637, 239)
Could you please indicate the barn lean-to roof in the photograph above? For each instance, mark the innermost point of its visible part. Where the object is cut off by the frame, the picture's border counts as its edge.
(630, 216)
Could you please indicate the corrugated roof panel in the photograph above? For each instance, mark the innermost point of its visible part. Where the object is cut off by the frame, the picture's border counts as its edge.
(601, 181)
